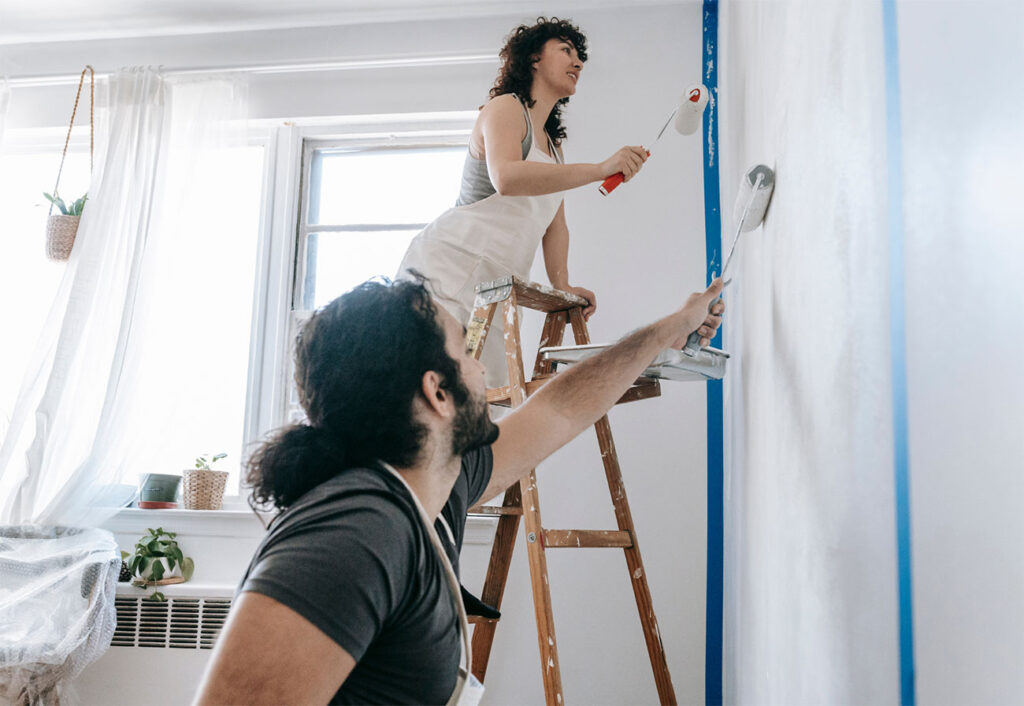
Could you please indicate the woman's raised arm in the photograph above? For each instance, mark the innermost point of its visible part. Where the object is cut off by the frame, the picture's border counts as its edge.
(502, 130)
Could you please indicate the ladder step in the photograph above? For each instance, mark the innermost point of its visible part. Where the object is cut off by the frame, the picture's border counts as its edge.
(587, 538)
(492, 510)
(480, 620)
(642, 389)
(528, 294)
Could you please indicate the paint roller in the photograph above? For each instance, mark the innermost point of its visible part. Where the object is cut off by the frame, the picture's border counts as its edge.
(687, 119)
(752, 201)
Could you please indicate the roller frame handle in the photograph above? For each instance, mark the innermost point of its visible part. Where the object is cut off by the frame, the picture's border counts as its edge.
(692, 347)
(611, 183)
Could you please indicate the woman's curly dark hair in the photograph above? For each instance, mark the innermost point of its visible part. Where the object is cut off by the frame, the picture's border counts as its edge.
(359, 362)
(518, 56)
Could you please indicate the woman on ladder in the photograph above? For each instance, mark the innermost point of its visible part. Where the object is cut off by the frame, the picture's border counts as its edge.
(513, 180)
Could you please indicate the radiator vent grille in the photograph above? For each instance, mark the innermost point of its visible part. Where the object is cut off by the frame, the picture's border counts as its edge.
(184, 623)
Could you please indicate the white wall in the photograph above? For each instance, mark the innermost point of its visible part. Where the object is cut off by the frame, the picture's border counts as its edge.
(962, 188)
(813, 609)
(811, 614)
(640, 250)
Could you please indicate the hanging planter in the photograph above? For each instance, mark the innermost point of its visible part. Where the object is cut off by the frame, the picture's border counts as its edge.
(62, 228)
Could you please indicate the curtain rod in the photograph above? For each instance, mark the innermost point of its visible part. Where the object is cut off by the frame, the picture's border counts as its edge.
(284, 68)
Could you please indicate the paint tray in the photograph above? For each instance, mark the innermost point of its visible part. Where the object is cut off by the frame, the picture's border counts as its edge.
(670, 364)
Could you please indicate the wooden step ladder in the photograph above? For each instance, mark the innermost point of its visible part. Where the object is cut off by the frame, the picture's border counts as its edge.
(560, 307)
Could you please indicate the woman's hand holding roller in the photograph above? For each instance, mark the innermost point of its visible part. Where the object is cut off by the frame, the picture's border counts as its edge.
(628, 161)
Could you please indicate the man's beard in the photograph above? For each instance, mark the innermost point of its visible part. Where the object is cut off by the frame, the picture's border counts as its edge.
(472, 427)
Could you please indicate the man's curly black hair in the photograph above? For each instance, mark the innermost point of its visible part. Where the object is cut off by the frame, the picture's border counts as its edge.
(520, 52)
(359, 362)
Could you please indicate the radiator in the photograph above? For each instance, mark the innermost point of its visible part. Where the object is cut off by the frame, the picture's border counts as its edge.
(180, 622)
(160, 649)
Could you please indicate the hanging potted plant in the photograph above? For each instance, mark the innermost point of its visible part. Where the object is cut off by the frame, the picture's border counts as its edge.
(62, 228)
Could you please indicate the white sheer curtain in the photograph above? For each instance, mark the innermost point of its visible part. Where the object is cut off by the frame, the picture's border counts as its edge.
(812, 611)
(94, 400)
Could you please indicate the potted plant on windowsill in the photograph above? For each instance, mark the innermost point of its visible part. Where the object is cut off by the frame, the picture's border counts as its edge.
(159, 491)
(159, 561)
(203, 487)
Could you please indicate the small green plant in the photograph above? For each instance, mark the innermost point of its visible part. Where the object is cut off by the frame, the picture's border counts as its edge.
(152, 552)
(204, 462)
(75, 209)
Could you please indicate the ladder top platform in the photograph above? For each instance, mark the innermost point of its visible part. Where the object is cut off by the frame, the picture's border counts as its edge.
(529, 294)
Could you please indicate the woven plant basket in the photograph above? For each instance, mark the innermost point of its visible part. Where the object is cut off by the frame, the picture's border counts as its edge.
(60, 236)
(61, 229)
(203, 490)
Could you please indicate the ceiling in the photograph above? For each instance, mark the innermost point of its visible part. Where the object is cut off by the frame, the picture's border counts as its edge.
(33, 21)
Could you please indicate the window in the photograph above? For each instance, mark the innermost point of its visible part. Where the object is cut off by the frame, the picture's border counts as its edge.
(360, 207)
(206, 325)
(283, 226)
(28, 281)
(210, 270)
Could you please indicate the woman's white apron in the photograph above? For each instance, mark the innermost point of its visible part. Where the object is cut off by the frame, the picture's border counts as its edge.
(466, 245)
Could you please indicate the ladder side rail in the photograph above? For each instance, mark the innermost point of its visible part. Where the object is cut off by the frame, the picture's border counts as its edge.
(549, 664)
(624, 519)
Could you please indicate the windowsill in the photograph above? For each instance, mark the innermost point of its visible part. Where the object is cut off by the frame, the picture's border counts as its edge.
(204, 523)
(244, 523)
(187, 589)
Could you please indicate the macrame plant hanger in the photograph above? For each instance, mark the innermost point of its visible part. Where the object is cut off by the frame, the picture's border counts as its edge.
(62, 228)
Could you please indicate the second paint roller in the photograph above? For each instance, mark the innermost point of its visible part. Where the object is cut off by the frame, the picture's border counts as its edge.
(687, 119)
(754, 194)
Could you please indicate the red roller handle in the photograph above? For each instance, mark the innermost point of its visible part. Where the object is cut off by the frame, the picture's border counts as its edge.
(611, 183)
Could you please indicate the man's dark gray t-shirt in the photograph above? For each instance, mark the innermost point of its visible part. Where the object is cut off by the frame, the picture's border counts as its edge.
(353, 557)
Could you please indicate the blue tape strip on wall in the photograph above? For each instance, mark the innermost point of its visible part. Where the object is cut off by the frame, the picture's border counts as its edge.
(714, 605)
(897, 335)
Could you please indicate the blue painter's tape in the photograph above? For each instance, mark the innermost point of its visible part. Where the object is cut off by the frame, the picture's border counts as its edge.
(897, 334)
(714, 610)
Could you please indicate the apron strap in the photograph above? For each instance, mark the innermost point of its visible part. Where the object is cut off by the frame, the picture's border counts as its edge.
(453, 581)
(528, 140)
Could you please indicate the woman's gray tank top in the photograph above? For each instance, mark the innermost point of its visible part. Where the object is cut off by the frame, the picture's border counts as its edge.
(476, 182)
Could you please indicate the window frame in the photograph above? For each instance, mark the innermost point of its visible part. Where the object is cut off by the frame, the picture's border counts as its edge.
(355, 145)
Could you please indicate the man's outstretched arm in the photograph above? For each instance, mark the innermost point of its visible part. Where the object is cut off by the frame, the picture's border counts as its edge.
(575, 399)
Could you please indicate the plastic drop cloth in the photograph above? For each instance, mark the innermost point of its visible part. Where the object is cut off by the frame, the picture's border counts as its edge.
(57, 611)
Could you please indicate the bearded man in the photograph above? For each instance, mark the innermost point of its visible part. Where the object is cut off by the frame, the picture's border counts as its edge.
(352, 595)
